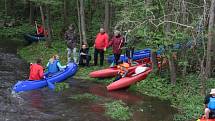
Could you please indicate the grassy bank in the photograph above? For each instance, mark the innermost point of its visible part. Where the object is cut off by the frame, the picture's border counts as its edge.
(185, 95)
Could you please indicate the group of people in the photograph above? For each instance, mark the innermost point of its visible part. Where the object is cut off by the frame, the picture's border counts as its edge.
(100, 46)
(53, 66)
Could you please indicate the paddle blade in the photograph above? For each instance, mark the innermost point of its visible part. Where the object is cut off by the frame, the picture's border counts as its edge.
(51, 86)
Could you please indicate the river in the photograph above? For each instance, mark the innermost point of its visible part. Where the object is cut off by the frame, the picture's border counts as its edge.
(46, 105)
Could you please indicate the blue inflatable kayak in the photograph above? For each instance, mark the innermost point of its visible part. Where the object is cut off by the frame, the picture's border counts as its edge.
(31, 38)
(26, 85)
(139, 54)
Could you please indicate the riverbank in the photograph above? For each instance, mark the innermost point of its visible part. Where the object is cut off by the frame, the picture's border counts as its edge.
(185, 95)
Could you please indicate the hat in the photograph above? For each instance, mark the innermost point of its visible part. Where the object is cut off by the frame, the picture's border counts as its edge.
(212, 91)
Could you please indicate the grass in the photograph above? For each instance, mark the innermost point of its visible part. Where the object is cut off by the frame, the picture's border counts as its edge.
(185, 95)
(118, 110)
(85, 96)
(61, 86)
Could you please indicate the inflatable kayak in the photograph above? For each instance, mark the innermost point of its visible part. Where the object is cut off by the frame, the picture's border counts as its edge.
(127, 81)
(112, 71)
(31, 38)
(26, 85)
(140, 54)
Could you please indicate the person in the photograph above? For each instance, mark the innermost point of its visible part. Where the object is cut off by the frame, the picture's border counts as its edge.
(100, 45)
(117, 42)
(40, 30)
(129, 46)
(71, 41)
(84, 56)
(210, 104)
(123, 70)
(54, 65)
(36, 71)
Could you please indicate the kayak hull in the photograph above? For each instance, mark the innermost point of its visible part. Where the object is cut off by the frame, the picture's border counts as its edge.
(26, 85)
(31, 38)
(127, 81)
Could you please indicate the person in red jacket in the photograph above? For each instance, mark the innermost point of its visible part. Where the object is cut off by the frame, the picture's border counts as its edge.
(117, 42)
(100, 45)
(36, 71)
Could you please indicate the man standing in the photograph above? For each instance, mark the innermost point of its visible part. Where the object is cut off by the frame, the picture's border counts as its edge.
(100, 46)
(71, 41)
(117, 42)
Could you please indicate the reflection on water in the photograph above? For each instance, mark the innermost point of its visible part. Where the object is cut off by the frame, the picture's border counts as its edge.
(46, 105)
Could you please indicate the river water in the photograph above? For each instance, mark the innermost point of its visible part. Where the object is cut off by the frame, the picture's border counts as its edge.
(46, 105)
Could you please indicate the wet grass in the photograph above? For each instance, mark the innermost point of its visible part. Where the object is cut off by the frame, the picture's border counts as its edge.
(85, 96)
(118, 110)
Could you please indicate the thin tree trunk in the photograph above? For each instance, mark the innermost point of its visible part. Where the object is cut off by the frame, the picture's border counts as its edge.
(154, 60)
(82, 15)
(48, 43)
(210, 39)
(107, 16)
(172, 70)
(43, 19)
(65, 12)
(30, 12)
(5, 7)
(79, 22)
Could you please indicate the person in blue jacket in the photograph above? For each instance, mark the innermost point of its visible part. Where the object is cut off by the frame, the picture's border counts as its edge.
(210, 104)
(54, 65)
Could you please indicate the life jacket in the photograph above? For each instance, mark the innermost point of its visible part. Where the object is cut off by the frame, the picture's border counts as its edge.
(211, 104)
(52, 67)
(123, 67)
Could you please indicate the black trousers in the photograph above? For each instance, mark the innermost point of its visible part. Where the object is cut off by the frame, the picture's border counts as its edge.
(101, 53)
(117, 57)
(84, 60)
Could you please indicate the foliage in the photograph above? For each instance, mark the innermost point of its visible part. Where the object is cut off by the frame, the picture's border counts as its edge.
(118, 110)
(183, 96)
(85, 96)
(16, 32)
(61, 86)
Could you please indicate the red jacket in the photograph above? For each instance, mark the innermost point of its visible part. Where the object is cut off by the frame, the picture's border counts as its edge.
(101, 41)
(36, 72)
(117, 43)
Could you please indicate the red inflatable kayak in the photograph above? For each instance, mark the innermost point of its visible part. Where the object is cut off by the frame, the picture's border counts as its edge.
(127, 81)
(112, 71)
(109, 72)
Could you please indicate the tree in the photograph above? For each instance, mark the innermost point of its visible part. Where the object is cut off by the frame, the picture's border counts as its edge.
(210, 39)
(82, 16)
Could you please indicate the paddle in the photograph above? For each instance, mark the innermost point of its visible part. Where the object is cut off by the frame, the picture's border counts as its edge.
(50, 85)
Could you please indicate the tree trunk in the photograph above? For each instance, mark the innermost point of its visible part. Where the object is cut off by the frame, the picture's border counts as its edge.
(48, 43)
(65, 12)
(30, 12)
(210, 39)
(107, 16)
(79, 22)
(43, 20)
(82, 15)
(172, 70)
(154, 61)
(5, 7)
